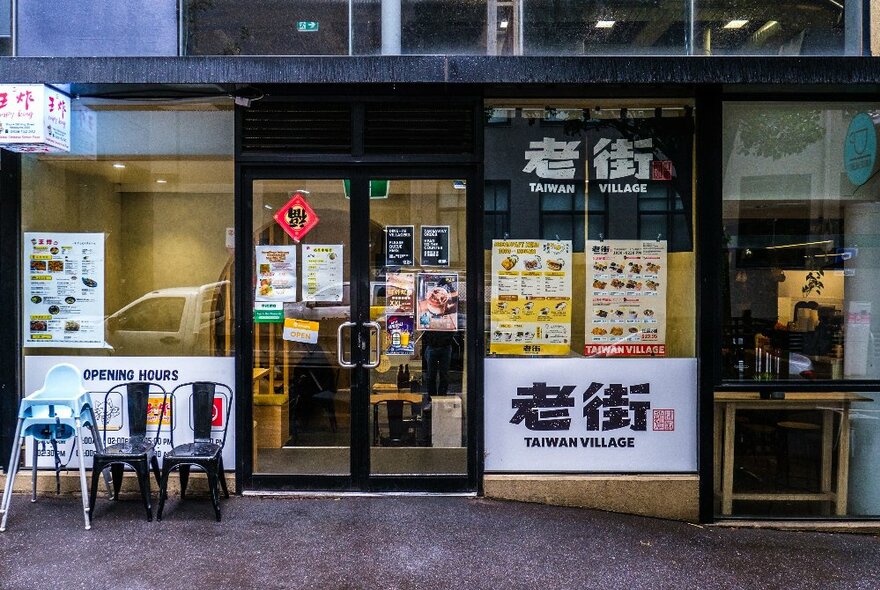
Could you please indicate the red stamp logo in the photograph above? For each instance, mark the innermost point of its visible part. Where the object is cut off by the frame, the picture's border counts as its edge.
(664, 420)
(661, 170)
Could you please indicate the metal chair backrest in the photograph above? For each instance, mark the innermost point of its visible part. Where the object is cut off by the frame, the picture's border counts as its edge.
(138, 404)
(203, 395)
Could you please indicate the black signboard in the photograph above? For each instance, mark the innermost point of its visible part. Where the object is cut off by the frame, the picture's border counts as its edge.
(399, 245)
(435, 245)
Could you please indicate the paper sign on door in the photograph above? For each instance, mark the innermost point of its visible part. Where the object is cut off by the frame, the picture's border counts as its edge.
(300, 331)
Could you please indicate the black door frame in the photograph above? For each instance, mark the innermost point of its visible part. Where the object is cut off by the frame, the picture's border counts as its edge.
(360, 479)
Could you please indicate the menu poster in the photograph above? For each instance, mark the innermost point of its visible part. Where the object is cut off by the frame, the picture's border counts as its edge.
(401, 331)
(400, 289)
(63, 290)
(435, 245)
(626, 298)
(322, 272)
(276, 273)
(531, 297)
(438, 302)
(399, 245)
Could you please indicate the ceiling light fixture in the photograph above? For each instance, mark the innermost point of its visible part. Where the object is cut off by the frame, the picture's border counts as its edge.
(161, 181)
(800, 245)
(605, 24)
(736, 24)
(119, 165)
(504, 24)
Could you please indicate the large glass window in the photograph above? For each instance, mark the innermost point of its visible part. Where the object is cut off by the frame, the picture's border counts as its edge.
(800, 271)
(580, 183)
(129, 236)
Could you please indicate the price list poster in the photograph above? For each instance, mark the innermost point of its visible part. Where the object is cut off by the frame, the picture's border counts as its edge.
(531, 297)
(626, 290)
(64, 290)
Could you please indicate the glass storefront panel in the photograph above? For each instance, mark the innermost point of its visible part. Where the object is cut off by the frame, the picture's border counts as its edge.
(128, 250)
(302, 394)
(800, 274)
(753, 27)
(418, 391)
(591, 178)
(589, 262)
(568, 27)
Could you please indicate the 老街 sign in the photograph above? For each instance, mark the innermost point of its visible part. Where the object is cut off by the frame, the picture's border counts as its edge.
(583, 415)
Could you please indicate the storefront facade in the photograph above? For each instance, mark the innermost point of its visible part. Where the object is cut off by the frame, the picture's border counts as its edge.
(636, 284)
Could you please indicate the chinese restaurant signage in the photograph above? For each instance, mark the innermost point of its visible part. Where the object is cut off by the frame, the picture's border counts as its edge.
(34, 118)
(591, 415)
(531, 297)
(626, 298)
(435, 245)
(296, 217)
(399, 245)
(100, 373)
(63, 290)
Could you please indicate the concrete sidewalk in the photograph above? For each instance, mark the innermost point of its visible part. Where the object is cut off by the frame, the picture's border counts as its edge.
(408, 542)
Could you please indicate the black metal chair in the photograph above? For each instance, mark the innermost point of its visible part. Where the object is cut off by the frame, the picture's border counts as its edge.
(203, 452)
(139, 452)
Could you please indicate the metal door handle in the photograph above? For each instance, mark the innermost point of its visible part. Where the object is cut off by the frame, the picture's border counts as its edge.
(375, 326)
(340, 356)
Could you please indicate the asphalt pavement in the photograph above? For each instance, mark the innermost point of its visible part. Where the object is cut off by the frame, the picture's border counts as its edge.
(408, 542)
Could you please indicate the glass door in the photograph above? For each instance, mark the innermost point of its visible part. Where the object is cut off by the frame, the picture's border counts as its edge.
(418, 272)
(360, 333)
(301, 332)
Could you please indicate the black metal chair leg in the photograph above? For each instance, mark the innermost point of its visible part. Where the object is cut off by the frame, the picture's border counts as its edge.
(215, 493)
(184, 480)
(116, 470)
(93, 495)
(143, 475)
(156, 471)
(221, 473)
(163, 490)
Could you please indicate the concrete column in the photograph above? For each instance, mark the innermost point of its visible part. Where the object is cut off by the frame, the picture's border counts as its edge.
(391, 27)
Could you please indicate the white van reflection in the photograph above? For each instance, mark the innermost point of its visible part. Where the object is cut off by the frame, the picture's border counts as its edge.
(179, 321)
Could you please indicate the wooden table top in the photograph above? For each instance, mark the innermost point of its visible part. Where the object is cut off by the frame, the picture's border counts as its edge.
(792, 396)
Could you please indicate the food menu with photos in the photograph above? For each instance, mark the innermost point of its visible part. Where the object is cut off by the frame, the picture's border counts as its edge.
(626, 295)
(276, 273)
(531, 297)
(322, 272)
(63, 290)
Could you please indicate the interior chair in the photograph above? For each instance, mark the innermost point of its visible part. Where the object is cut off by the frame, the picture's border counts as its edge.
(317, 386)
(203, 453)
(404, 419)
(139, 451)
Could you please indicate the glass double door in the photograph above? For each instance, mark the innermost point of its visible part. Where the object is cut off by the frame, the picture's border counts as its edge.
(360, 332)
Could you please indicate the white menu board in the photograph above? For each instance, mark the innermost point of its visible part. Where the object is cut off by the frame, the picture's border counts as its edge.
(626, 296)
(276, 273)
(63, 290)
(322, 272)
(531, 297)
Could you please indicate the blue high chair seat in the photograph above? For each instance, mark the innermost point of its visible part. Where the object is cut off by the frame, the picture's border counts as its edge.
(55, 412)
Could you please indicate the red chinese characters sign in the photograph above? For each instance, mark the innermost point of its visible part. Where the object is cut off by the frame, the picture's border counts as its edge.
(297, 217)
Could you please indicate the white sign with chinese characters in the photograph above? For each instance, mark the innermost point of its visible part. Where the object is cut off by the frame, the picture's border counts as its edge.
(591, 415)
(34, 118)
(551, 160)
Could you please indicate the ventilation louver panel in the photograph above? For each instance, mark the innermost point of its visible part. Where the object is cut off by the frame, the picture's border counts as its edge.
(417, 129)
(289, 127)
